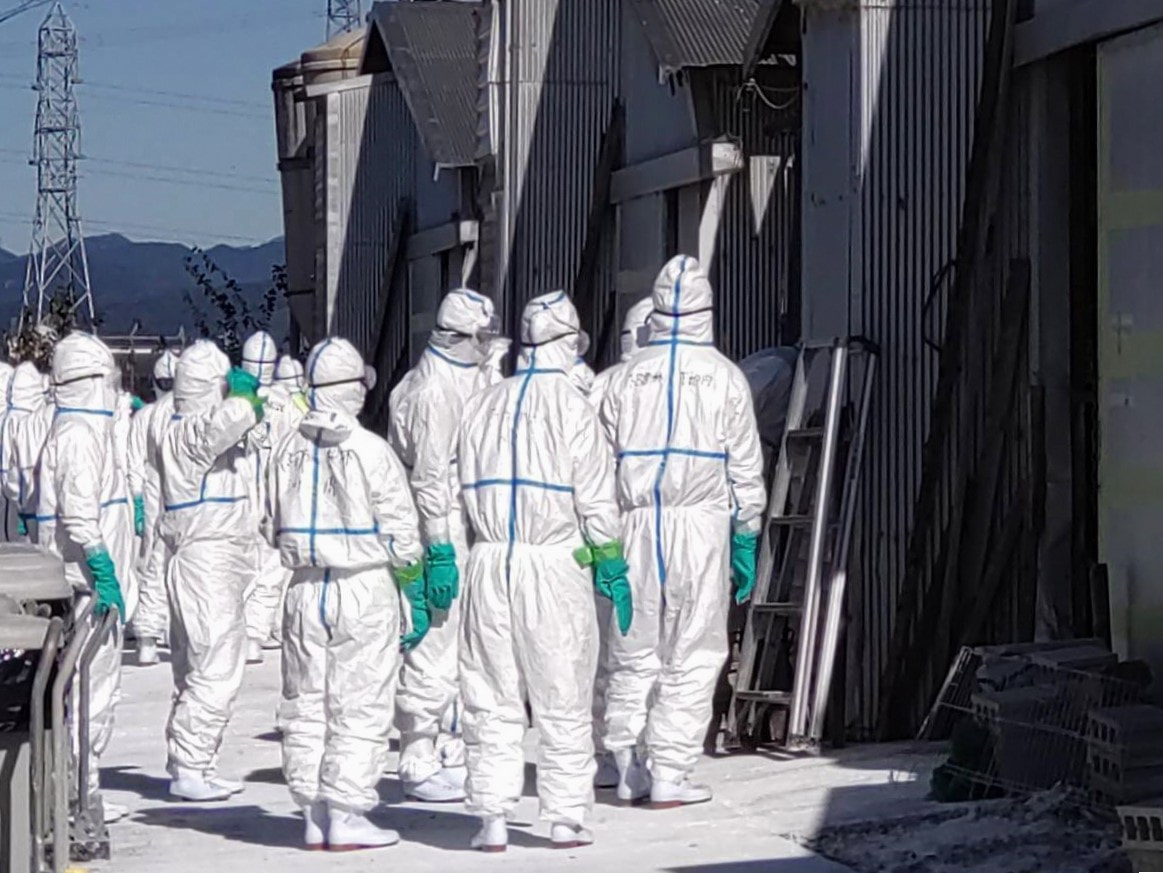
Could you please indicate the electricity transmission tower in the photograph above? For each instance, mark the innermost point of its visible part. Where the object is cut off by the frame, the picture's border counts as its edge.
(343, 16)
(57, 263)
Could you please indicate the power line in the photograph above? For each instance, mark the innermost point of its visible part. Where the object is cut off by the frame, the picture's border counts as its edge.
(24, 218)
(136, 89)
(181, 107)
(189, 183)
(168, 168)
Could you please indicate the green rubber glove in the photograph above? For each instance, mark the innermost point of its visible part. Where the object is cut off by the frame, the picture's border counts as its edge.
(240, 383)
(442, 575)
(743, 550)
(610, 579)
(137, 403)
(411, 582)
(139, 515)
(21, 526)
(104, 580)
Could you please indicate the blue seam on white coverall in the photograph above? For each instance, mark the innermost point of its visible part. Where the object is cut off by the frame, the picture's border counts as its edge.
(680, 342)
(76, 410)
(536, 371)
(117, 501)
(523, 483)
(439, 354)
(658, 555)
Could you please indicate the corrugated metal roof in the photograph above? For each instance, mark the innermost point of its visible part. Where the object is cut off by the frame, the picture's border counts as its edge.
(433, 51)
(697, 33)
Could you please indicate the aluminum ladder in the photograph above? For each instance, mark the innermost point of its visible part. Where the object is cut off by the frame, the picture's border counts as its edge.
(791, 635)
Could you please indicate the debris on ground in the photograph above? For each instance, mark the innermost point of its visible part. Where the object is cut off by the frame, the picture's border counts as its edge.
(1051, 831)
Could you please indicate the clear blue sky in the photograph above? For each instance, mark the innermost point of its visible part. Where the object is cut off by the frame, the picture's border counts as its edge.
(137, 57)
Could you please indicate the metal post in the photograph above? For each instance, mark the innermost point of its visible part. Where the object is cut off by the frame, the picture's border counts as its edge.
(38, 811)
(798, 719)
(836, 590)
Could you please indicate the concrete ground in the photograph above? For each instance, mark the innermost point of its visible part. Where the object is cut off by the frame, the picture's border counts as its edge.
(762, 806)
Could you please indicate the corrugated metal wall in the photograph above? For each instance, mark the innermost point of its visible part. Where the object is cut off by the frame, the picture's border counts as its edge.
(361, 193)
(561, 83)
(756, 269)
(919, 72)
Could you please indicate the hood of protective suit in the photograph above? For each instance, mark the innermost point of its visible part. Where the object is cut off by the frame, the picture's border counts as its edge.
(290, 373)
(83, 373)
(683, 303)
(550, 333)
(465, 324)
(636, 327)
(26, 392)
(337, 379)
(200, 380)
(165, 368)
(259, 357)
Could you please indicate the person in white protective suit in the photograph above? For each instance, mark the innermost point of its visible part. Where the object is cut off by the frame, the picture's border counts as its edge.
(343, 519)
(25, 428)
(581, 375)
(152, 621)
(206, 527)
(635, 335)
(538, 482)
(83, 517)
(289, 373)
(690, 480)
(264, 594)
(424, 422)
(10, 521)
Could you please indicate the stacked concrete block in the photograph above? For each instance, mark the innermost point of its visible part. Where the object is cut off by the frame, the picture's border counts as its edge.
(1142, 826)
(1125, 754)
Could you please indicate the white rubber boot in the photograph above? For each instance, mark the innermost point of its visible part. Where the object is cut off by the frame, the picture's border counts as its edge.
(607, 774)
(315, 822)
(113, 812)
(568, 836)
(350, 832)
(493, 835)
(253, 652)
(272, 644)
(633, 779)
(147, 654)
(231, 785)
(196, 787)
(443, 786)
(670, 795)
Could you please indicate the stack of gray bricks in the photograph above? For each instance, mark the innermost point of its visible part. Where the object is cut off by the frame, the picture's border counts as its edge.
(1125, 754)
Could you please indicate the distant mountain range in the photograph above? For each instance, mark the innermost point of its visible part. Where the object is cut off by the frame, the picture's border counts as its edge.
(145, 281)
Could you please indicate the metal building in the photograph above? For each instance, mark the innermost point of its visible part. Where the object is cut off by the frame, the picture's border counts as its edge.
(391, 158)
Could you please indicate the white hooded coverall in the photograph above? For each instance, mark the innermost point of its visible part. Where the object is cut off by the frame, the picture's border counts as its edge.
(264, 594)
(690, 472)
(152, 620)
(537, 475)
(424, 424)
(26, 400)
(206, 525)
(83, 503)
(342, 516)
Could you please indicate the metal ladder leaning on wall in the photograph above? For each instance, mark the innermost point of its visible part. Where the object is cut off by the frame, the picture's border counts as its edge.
(788, 655)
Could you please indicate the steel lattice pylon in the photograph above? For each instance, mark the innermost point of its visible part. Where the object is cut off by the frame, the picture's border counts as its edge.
(343, 16)
(57, 262)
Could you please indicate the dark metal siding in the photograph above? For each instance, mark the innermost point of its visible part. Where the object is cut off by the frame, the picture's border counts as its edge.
(696, 33)
(562, 80)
